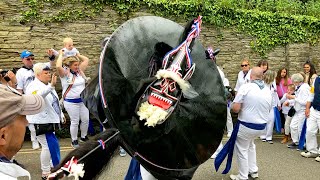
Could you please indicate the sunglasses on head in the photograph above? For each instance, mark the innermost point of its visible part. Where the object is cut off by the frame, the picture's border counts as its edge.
(29, 58)
(244, 65)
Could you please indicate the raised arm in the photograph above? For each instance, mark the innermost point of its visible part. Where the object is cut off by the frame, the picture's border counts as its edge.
(59, 67)
(84, 62)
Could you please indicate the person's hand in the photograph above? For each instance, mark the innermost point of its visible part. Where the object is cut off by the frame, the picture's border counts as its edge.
(307, 112)
(279, 108)
(61, 52)
(50, 52)
(286, 103)
(12, 77)
(53, 80)
(290, 96)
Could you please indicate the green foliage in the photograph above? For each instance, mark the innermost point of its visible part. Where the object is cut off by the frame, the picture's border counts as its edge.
(271, 22)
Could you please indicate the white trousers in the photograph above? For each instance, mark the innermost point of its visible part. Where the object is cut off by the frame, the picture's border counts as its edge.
(77, 112)
(287, 124)
(45, 156)
(245, 151)
(313, 125)
(32, 132)
(229, 121)
(296, 125)
(269, 128)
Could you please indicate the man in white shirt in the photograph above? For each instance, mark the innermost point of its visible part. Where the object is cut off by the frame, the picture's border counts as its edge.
(25, 76)
(253, 103)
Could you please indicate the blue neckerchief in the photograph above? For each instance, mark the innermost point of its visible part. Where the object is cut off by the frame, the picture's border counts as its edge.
(229, 146)
(4, 159)
(298, 87)
(258, 82)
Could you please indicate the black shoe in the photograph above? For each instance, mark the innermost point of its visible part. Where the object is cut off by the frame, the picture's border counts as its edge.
(292, 146)
(84, 139)
(75, 144)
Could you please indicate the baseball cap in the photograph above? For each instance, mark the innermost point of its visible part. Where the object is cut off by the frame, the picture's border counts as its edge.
(26, 54)
(13, 103)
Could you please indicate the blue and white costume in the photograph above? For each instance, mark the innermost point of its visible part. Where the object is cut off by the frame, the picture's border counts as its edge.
(75, 107)
(50, 114)
(252, 119)
(313, 122)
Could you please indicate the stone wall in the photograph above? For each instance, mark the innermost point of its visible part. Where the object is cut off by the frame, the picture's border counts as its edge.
(88, 34)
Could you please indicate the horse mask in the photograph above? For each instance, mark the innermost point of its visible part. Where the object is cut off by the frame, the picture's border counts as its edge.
(193, 124)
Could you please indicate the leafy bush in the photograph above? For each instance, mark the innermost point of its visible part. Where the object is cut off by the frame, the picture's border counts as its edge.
(271, 22)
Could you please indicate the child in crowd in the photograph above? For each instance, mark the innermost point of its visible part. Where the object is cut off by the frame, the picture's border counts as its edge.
(287, 104)
(69, 50)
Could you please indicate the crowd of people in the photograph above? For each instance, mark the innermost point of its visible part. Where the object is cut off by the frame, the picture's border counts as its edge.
(260, 94)
(265, 99)
(37, 79)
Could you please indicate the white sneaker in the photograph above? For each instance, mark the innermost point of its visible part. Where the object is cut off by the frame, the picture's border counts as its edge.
(35, 145)
(229, 135)
(234, 177)
(309, 154)
(317, 159)
(254, 175)
(122, 152)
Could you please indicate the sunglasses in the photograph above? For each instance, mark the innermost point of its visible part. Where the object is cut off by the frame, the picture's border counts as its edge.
(30, 58)
(244, 65)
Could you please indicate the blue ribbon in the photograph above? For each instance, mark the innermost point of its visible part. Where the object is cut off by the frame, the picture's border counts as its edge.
(54, 148)
(229, 146)
(133, 171)
(78, 100)
(302, 139)
(277, 119)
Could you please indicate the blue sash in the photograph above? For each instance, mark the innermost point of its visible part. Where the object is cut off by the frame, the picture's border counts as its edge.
(229, 146)
(302, 139)
(133, 171)
(277, 119)
(54, 148)
(78, 100)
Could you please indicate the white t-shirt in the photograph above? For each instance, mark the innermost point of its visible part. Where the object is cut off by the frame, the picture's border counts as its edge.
(77, 87)
(285, 109)
(48, 114)
(25, 77)
(242, 79)
(273, 90)
(68, 53)
(255, 103)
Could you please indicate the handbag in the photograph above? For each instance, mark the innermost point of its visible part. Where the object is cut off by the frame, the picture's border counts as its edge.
(291, 112)
(44, 128)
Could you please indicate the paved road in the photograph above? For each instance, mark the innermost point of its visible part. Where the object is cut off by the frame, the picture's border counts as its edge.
(275, 161)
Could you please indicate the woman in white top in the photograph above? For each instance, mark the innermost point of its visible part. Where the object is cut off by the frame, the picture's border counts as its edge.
(244, 74)
(51, 116)
(71, 94)
(269, 80)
